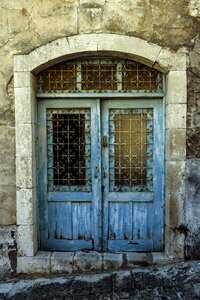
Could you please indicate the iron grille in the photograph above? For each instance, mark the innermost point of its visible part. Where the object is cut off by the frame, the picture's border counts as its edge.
(99, 76)
(131, 149)
(69, 149)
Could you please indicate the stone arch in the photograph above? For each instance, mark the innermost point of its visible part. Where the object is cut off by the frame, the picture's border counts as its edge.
(25, 69)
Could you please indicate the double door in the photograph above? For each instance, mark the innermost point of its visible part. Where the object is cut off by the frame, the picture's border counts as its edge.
(100, 174)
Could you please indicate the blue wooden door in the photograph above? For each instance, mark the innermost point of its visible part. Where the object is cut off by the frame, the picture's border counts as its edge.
(100, 174)
(132, 161)
(69, 180)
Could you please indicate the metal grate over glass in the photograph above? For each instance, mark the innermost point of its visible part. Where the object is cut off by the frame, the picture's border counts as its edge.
(69, 149)
(131, 149)
(99, 75)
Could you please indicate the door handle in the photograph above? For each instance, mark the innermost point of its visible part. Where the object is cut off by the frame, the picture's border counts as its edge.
(104, 142)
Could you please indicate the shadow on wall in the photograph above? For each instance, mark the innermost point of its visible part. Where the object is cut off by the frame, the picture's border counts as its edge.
(192, 241)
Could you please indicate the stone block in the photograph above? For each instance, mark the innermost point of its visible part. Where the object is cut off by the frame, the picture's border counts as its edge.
(134, 258)
(124, 16)
(26, 206)
(40, 263)
(144, 51)
(26, 171)
(23, 79)
(25, 140)
(174, 213)
(7, 178)
(59, 19)
(90, 19)
(25, 106)
(175, 144)
(62, 262)
(8, 203)
(13, 22)
(82, 43)
(176, 87)
(176, 116)
(112, 261)
(87, 262)
(49, 54)
(27, 240)
(168, 60)
(175, 177)
(194, 8)
(161, 258)
(21, 63)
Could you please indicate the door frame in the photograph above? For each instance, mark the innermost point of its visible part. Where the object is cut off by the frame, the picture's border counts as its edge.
(172, 64)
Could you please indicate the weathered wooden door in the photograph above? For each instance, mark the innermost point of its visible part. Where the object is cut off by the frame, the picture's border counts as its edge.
(100, 174)
(69, 165)
(132, 160)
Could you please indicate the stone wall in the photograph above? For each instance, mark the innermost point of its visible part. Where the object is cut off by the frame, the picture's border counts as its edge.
(27, 24)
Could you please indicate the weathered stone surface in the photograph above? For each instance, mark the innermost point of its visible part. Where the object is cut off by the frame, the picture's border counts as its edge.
(133, 259)
(176, 144)
(112, 261)
(90, 19)
(194, 8)
(62, 262)
(87, 262)
(39, 264)
(26, 206)
(175, 176)
(8, 252)
(176, 116)
(178, 281)
(54, 15)
(11, 29)
(192, 208)
(27, 240)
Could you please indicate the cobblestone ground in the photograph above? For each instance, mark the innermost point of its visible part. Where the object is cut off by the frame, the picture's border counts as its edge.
(177, 281)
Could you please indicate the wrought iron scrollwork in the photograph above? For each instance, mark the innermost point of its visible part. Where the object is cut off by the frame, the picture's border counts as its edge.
(69, 149)
(131, 149)
(99, 75)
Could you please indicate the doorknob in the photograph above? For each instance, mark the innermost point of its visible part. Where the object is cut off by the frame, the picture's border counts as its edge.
(104, 143)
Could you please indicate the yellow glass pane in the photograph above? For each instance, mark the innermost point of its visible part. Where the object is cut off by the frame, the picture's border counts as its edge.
(130, 147)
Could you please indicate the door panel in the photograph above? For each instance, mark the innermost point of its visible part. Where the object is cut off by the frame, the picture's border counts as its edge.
(132, 162)
(68, 188)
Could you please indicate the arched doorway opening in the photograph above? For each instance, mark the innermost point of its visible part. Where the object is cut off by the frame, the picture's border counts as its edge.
(100, 155)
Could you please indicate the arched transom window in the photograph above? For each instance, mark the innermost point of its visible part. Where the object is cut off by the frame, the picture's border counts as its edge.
(99, 75)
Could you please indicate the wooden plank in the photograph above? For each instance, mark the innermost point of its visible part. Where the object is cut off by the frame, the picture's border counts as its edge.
(81, 221)
(130, 245)
(100, 95)
(129, 196)
(158, 178)
(69, 196)
(42, 175)
(60, 221)
(142, 221)
(73, 245)
(96, 174)
(119, 219)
